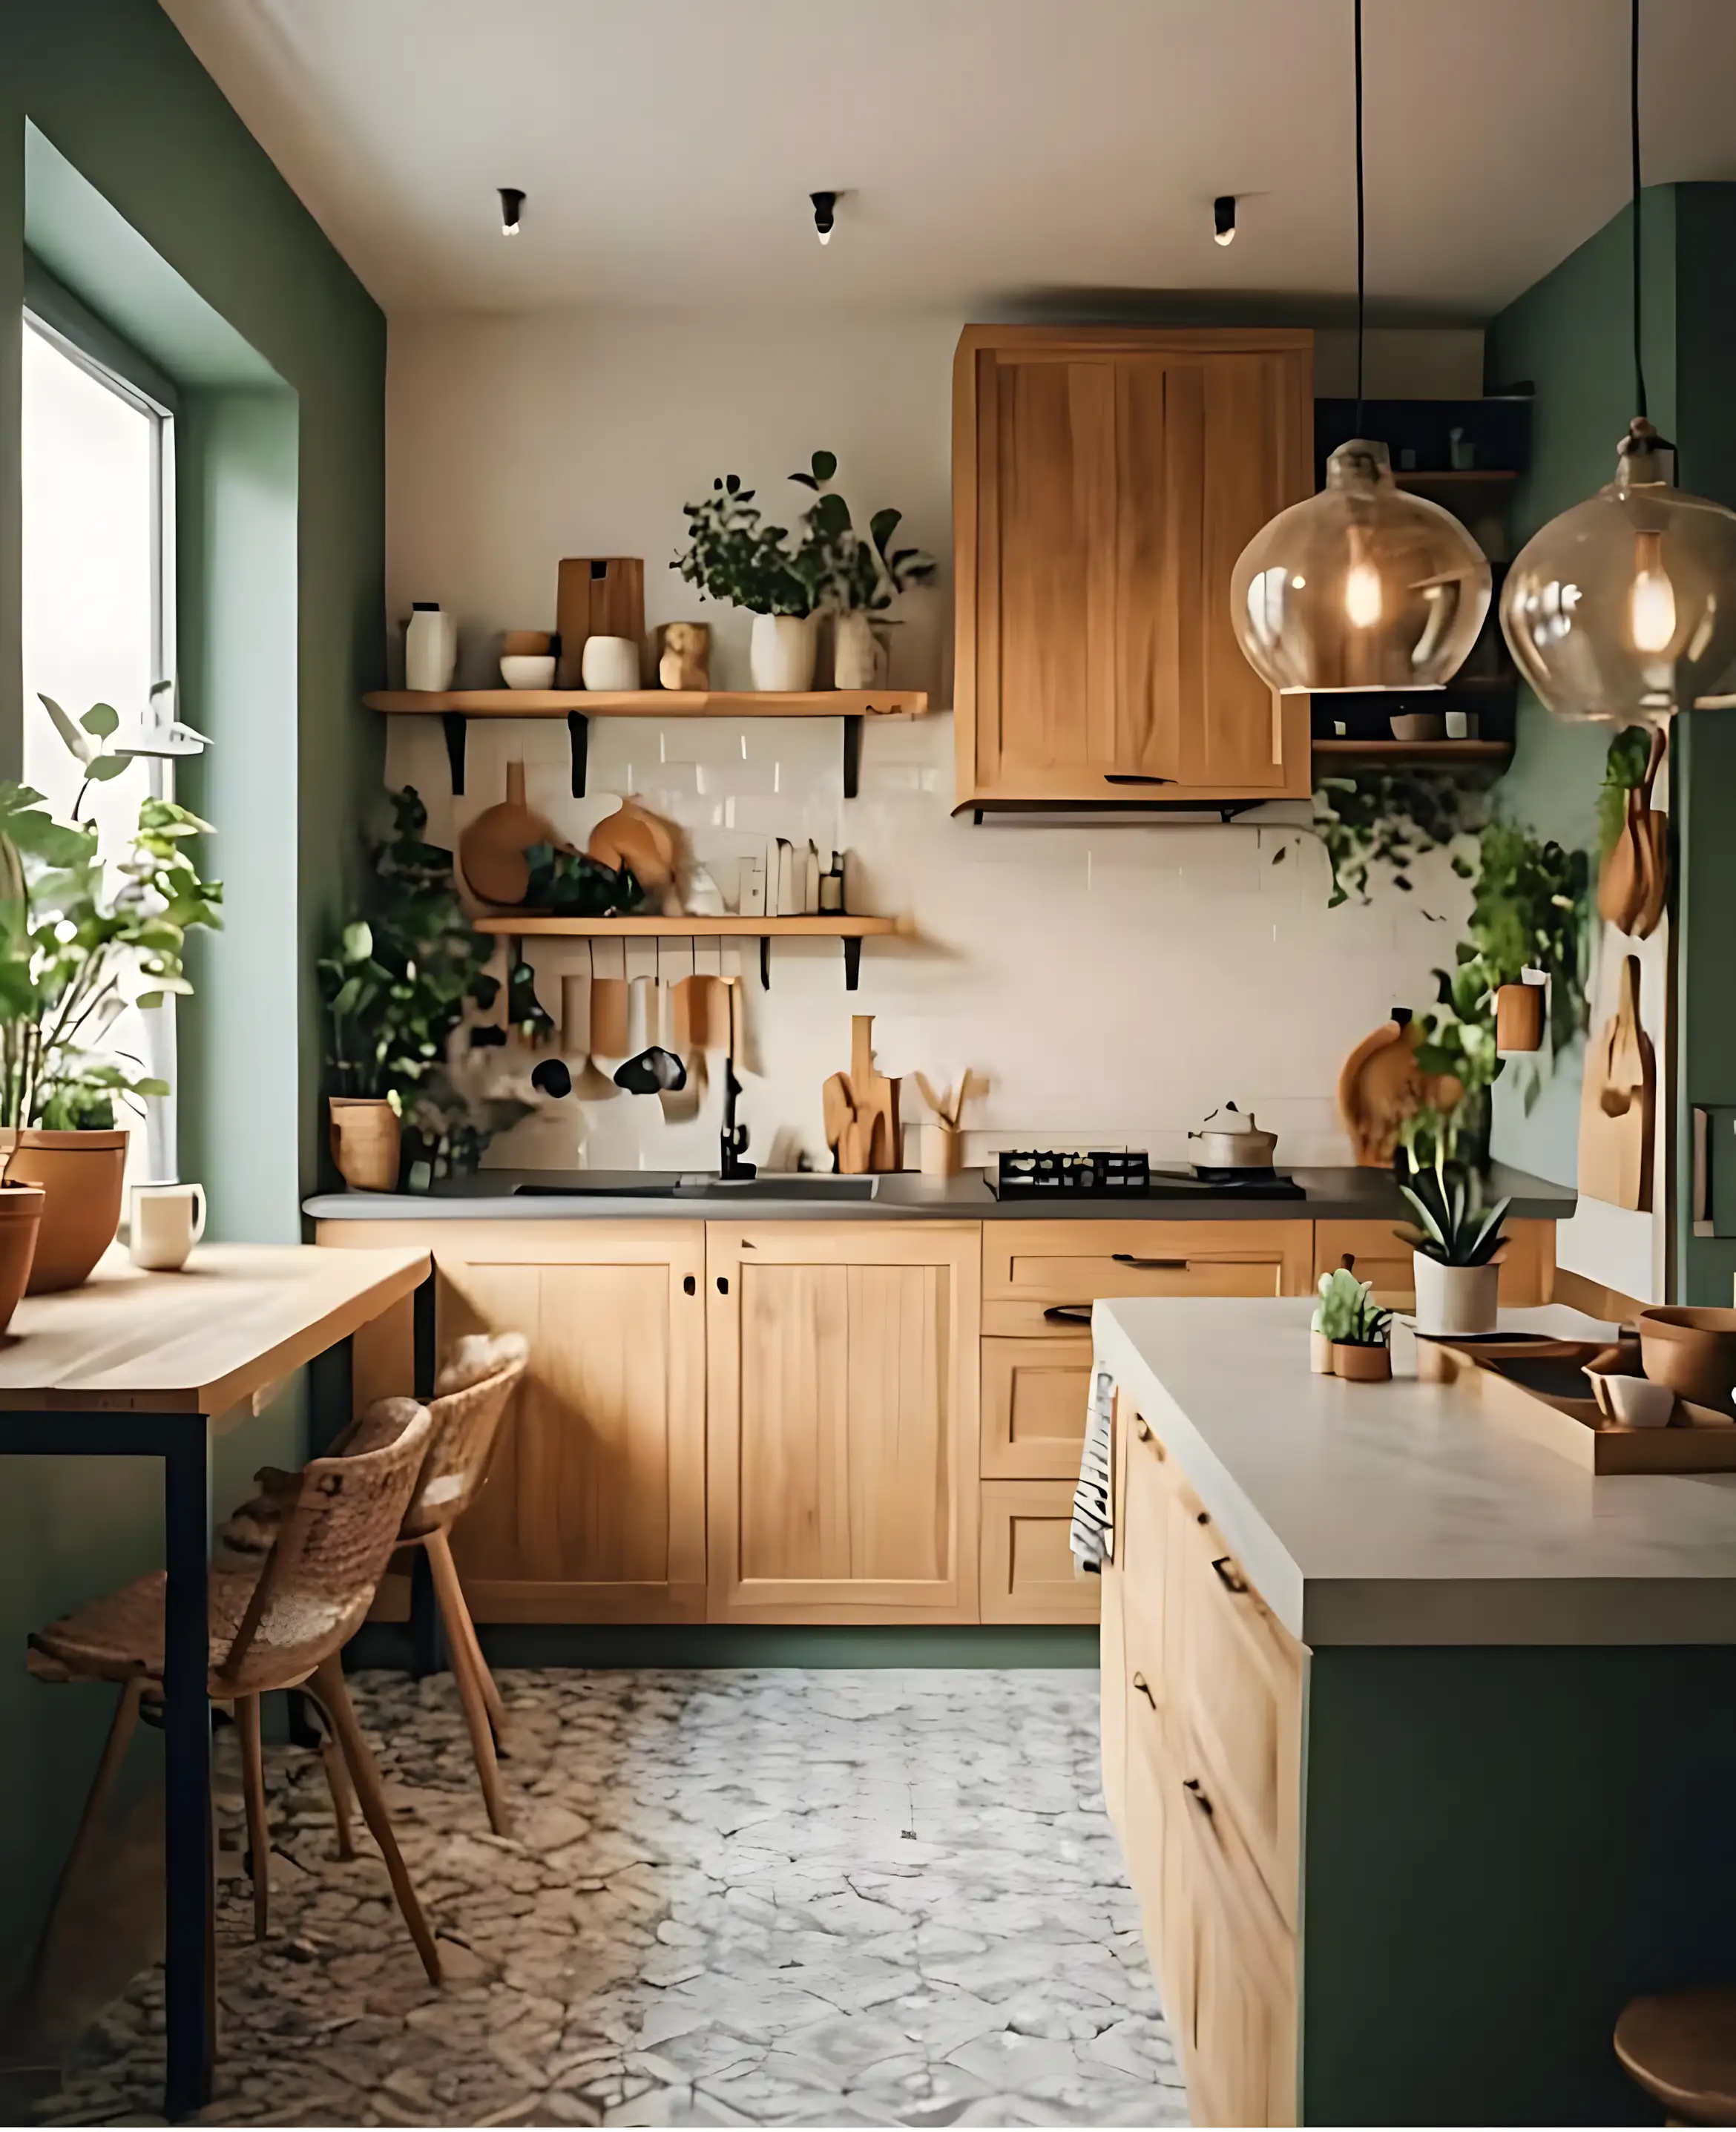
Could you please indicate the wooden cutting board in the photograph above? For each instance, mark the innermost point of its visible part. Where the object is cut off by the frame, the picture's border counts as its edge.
(876, 1099)
(491, 853)
(1618, 1104)
(1633, 880)
(596, 596)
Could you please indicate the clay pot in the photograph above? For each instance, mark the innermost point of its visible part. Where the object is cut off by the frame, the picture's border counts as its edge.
(1361, 1366)
(21, 1217)
(81, 1174)
(1519, 1018)
(366, 1142)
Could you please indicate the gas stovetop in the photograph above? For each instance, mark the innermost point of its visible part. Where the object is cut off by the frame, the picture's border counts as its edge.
(1126, 1174)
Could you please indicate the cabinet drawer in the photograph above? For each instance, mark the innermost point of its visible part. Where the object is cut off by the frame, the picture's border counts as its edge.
(1234, 1678)
(1034, 1397)
(1527, 1271)
(1028, 1571)
(1032, 1268)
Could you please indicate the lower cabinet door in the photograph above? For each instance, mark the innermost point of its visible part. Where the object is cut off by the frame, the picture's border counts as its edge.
(842, 1432)
(1027, 1569)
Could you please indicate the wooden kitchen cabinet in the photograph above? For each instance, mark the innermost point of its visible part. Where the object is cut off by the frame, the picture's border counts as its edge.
(1027, 1569)
(595, 1506)
(1104, 482)
(1041, 1277)
(843, 1424)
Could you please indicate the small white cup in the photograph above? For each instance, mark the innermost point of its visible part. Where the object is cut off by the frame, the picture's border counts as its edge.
(1635, 1402)
(610, 663)
(167, 1221)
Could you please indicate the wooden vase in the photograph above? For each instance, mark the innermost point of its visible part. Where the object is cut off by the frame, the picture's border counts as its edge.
(1519, 1018)
(367, 1142)
(81, 1174)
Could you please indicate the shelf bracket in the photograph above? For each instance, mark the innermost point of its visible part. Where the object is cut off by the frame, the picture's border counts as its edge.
(578, 741)
(453, 724)
(852, 961)
(852, 753)
(765, 961)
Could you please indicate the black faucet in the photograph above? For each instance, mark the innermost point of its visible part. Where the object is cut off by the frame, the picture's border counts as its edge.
(734, 1137)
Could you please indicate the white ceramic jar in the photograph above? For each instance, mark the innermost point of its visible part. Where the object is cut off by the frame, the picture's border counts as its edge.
(1456, 1299)
(431, 647)
(610, 663)
(781, 653)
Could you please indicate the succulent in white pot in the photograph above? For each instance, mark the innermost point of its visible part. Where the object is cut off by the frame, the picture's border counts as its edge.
(1454, 1243)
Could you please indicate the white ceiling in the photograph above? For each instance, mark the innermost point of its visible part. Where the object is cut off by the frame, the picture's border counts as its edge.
(993, 149)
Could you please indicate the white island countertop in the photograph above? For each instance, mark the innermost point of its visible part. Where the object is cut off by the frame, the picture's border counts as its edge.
(1401, 1513)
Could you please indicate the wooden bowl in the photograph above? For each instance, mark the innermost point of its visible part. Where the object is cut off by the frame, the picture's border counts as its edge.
(1692, 1350)
(526, 643)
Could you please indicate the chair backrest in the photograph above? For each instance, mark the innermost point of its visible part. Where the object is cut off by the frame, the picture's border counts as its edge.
(331, 1549)
(477, 1379)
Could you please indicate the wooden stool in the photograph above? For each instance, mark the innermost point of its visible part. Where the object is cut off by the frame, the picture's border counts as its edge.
(1681, 2047)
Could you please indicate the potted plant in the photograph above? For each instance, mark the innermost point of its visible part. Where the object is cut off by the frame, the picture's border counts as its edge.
(74, 952)
(1453, 1245)
(731, 554)
(862, 577)
(395, 990)
(1355, 1326)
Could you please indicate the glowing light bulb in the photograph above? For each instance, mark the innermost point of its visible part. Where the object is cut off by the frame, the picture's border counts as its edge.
(1362, 595)
(1651, 603)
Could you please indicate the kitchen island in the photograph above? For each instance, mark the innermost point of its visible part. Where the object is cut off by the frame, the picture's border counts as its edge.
(1421, 1739)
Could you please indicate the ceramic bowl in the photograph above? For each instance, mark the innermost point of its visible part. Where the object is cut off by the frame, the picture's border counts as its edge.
(1418, 725)
(1635, 1402)
(528, 670)
(1692, 1350)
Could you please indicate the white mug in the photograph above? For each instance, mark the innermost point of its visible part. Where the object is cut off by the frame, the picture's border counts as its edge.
(167, 1221)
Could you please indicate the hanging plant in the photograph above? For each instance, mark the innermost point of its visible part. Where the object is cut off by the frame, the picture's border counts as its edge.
(1387, 818)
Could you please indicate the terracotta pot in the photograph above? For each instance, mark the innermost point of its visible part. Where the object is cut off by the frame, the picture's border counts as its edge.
(81, 1174)
(21, 1217)
(366, 1142)
(1361, 1366)
(1519, 1018)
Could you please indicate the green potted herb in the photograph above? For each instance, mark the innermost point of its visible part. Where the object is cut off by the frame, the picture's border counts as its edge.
(1453, 1242)
(862, 576)
(1354, 1327)
(84, 935)
(395, 989)
(731, 554)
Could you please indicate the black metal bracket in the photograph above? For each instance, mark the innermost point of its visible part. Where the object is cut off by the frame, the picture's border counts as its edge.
(852, 961)
(852, 754)
(454, 724)
(765, 961)
(578, 741)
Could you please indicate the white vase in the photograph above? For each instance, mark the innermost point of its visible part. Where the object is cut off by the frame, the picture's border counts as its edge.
(781, 653)
(1456, 1300)
(431, 647)
(610, 663)
(858, 655)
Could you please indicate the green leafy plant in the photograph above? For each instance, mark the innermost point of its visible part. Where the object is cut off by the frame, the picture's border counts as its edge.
(1452, 1224)
(860, 576)
(570, 884)
(1624, 771)
(74, 951)
(399, 980)
(1348, 1314)
(733, 555)
(1387, 818)
(1530, 909)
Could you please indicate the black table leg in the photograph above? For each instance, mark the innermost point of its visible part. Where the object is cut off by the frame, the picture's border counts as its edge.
(189, 1963)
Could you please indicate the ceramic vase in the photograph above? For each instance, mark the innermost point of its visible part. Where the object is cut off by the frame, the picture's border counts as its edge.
(610, 663)
(366, 1142)
(859, 654)
(781, 653)
(21, 1217)
(80, 1174)
(1452, 1301)
(1319, 1354)
(431, 647)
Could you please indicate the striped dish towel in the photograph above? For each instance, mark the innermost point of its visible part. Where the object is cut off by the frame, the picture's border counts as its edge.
(1092, 1538)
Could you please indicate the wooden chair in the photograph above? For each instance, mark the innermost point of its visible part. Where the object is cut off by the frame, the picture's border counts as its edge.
(277, 1624)
(1681, 2047)
(472, 1390)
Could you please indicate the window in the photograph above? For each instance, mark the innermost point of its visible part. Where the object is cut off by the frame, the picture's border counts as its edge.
(96, 469)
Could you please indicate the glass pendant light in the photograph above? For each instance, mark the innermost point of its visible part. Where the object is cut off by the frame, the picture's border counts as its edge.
(1363, 586)
(1623, 609)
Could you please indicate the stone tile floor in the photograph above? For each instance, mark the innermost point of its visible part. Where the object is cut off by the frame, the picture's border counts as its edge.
(752, 1898)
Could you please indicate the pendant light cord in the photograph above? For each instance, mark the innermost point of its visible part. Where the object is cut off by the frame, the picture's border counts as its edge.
(1633, 114)
(1360, 273)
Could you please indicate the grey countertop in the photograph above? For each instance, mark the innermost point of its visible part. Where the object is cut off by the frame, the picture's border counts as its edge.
(1344, 1194)
(1403, 1513)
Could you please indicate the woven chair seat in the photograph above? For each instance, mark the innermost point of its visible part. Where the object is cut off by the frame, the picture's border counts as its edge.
(119, 1637)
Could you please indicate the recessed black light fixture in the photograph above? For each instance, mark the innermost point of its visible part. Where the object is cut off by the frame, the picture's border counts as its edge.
(824, 215)
(512, 208)
(1223, 217)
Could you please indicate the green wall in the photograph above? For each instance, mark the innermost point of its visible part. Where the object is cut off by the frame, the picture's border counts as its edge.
(124, 170)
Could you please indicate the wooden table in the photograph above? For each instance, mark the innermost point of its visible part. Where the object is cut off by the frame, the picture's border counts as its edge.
(152, 1364)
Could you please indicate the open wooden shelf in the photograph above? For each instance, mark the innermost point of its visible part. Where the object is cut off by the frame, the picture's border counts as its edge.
(828, 925)
(455, 707)
(1415, 750)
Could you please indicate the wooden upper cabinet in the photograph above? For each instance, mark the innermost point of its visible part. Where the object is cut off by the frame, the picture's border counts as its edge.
(1104, 482)
(842, 1430)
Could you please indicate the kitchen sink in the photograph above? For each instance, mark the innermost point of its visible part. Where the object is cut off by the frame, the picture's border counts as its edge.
(697, 1184)
(798, 1184)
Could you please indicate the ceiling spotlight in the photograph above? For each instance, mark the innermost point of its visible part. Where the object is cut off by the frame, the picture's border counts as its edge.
(824, 218)
(1223, 217)
(511, 207)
